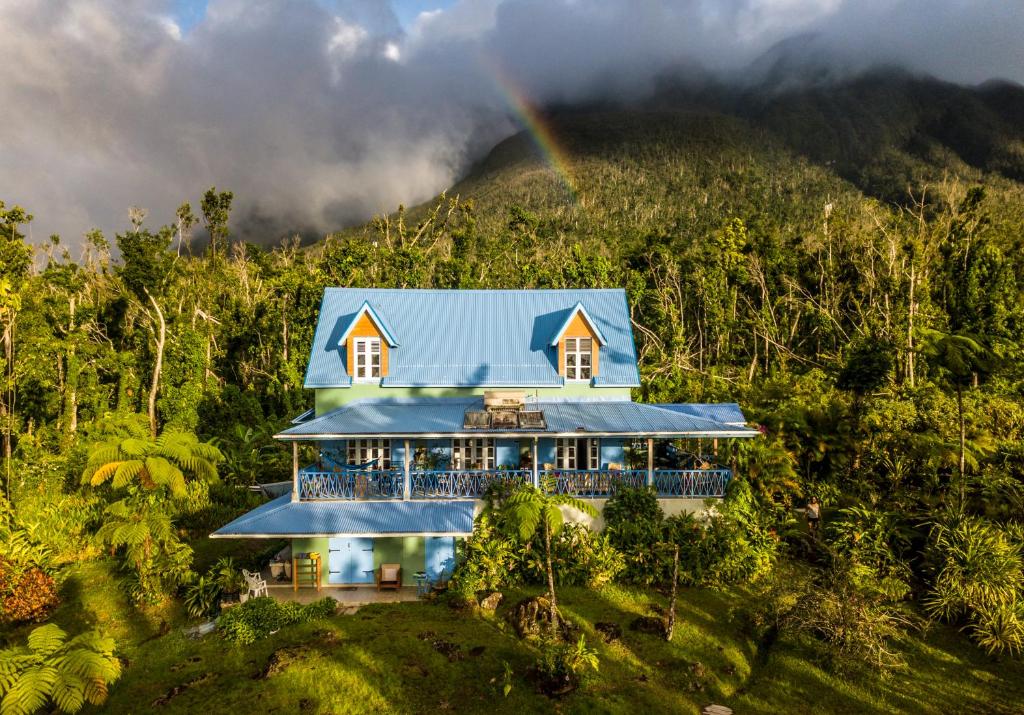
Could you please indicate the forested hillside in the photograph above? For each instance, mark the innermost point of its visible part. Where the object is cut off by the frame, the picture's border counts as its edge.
(844, 261)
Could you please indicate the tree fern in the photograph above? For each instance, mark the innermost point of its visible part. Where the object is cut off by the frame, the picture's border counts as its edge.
(50, 668)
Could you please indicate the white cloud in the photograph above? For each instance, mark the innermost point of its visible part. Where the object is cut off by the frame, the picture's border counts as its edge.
(319, 115)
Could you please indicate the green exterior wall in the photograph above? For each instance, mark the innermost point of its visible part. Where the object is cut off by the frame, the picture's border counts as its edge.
(330, 398)
(409, 551)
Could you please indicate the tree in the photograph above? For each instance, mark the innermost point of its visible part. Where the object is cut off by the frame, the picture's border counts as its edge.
(216, 208)
(149, 473)
(961, 359)
(184, 220)
(51, 668)
(530, 508)
(15, 261)
(146, 272)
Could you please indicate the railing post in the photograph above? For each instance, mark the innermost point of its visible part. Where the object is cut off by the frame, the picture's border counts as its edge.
(406, 482)
(295, 471)
(650, 461)
(536, 472)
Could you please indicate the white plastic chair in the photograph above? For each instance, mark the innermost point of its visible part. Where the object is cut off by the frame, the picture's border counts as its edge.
(257, 584)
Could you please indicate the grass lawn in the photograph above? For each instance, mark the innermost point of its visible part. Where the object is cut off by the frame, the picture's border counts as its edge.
(386, 658)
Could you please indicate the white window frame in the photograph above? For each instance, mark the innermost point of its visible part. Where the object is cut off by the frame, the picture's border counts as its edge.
(361, 451)
(470, 451)
(567, 453)
(364, 347)
(574, 367)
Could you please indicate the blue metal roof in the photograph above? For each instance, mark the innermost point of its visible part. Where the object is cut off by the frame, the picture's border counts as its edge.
(473, 338)
(285, 518)
(728, 413)
(445, 416)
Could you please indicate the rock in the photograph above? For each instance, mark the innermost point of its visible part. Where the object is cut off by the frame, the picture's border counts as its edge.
(453, 651)
(609, 631)
(531, 616)
(490, 601)
(477, 651)
(649, 624)
(716, 710)
(698, 670)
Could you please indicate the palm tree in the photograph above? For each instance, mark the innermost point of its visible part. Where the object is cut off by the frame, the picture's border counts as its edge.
(154, 463)
(529, 508)
(961, 358)
(51, 668)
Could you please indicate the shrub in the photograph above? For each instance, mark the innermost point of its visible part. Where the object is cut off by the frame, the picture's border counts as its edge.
(27, 593)
(585, 558)
(562, 666)
(259, 617)
(634, 525)
(202, 596)
(977, 574)
(487, 560)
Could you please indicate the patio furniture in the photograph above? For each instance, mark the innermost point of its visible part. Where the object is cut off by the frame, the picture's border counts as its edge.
(422, 583)
(306, 568)
(389, 576)
(257, 584)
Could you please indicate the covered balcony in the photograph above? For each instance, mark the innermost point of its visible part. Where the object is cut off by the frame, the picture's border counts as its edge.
(457, 448)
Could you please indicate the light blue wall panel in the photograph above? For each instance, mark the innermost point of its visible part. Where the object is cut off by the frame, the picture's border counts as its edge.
(612, 451)
(506, 452)
(545, 452)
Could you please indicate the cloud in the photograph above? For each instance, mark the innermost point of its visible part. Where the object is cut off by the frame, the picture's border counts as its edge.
(318, 115)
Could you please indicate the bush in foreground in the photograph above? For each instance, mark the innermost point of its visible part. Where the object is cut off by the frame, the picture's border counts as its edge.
(259, 617)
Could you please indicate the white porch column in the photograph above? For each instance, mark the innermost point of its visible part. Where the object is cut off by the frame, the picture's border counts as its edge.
(407, 485)
(295, 471)
(536, 471)
(650, 461)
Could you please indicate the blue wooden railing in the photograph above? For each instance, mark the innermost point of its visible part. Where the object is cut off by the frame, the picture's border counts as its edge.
(592, 482)
(315, 485)
(693, 483)
(457, 483)
(364, 484)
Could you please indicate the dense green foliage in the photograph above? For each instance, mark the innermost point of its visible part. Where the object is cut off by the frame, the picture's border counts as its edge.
(844, 262)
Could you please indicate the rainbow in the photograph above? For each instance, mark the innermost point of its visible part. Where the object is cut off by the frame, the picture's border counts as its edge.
(539, 129)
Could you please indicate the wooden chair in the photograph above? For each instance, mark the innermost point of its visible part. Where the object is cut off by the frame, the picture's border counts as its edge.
(389, 576)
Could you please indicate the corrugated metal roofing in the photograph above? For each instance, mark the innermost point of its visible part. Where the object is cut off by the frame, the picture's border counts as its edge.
(445, 416)
(455, 338)
(728, 413)
(283, 517)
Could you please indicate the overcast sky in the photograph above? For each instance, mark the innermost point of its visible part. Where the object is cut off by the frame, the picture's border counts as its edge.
(317, 113)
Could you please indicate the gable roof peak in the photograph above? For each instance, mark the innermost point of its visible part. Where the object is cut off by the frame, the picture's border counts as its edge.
(578, 309)
(382, 326)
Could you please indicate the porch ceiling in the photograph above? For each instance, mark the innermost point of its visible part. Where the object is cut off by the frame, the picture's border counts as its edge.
(444, 417)
(285, 518)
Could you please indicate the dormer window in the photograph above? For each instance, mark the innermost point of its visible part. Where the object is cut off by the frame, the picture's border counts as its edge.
(579, 358)
(367, 358)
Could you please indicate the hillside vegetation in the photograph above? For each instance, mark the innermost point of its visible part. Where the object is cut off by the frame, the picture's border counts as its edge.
(843, 261)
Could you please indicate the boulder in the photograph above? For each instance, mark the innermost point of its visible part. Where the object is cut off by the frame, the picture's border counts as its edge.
(489, 601)
(531, 616)
(609, 631)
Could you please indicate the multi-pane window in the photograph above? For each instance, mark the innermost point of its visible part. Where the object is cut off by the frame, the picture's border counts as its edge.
(474, 453)
(367, 358)
(361, 451)
(578, 453)
(579, 354)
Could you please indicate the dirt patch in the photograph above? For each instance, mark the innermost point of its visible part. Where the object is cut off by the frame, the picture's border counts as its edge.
(477, 651)
(181, 688)
(609, 631)
(653, 625)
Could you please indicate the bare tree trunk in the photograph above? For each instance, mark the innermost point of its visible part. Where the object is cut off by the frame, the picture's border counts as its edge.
(7, 404)
(672, 599)
(551, 578)
(963, 443)
(910, 327)
(161, 340)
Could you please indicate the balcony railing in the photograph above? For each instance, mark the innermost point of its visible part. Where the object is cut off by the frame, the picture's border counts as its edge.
(465, 484)
(363, 484)
(315, 485)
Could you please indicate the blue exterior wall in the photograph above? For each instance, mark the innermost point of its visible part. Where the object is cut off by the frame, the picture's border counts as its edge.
(545, 451)
(506, 453)
(612, 452)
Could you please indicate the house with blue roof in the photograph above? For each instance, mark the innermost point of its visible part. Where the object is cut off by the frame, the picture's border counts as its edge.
(425, 398)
